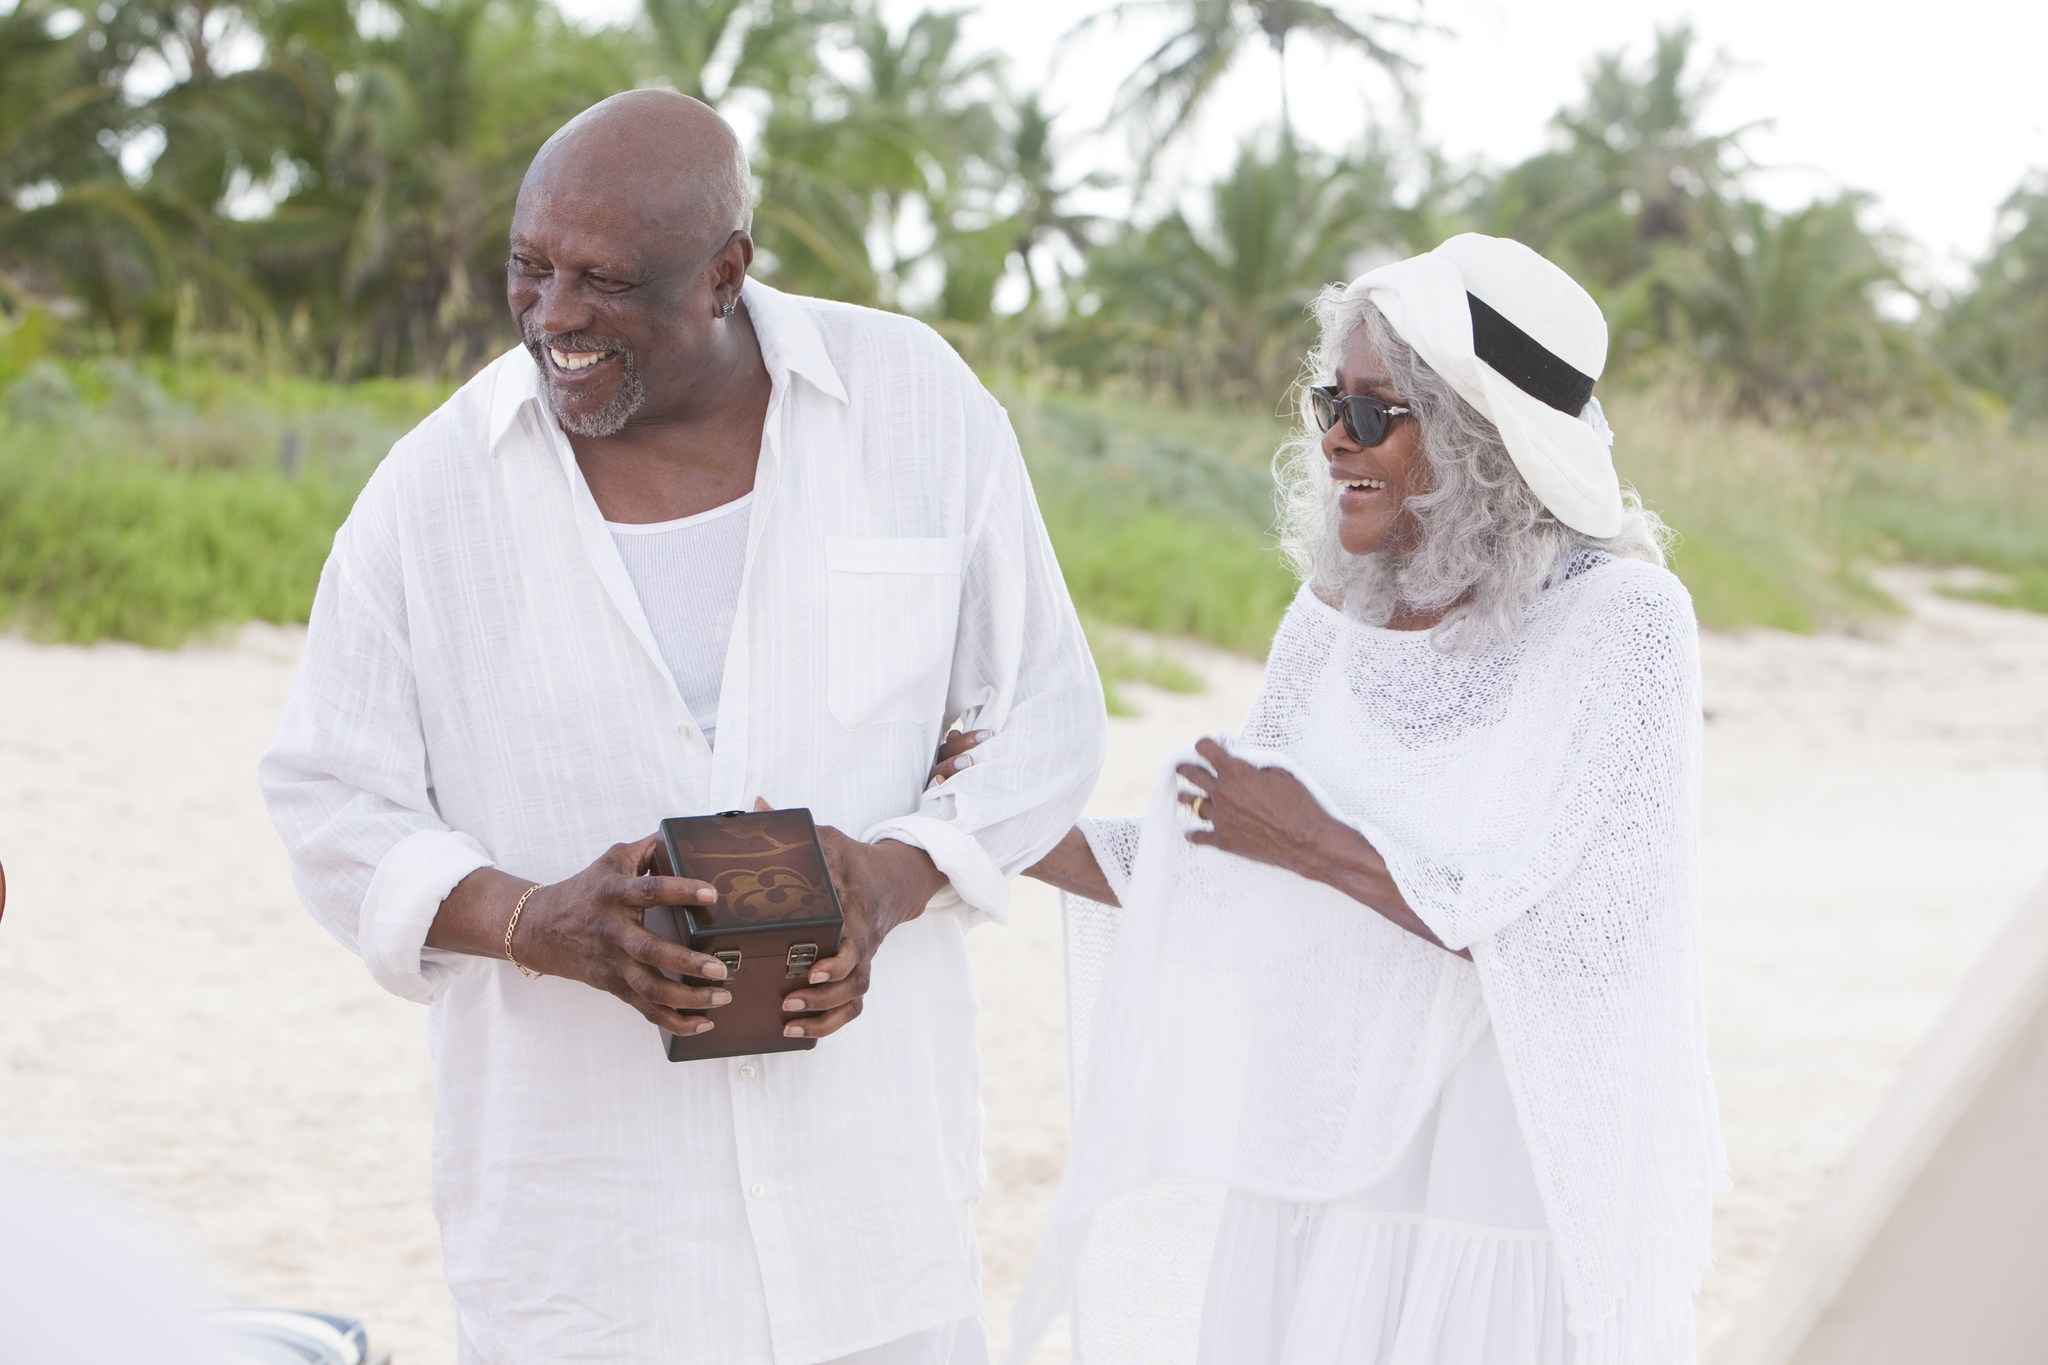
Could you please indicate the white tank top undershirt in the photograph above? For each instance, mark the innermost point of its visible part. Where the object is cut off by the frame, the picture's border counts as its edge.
(687, 573)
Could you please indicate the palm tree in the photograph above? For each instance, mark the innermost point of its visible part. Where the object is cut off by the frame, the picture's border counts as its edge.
(409, 147)
(1218, 308)
(1043, 215)
(52, 110)
(1787, 308)
(51, 105)
(1635, 170)
(777, 42)
(1174, 80)
(855, 165)
(1997, 334)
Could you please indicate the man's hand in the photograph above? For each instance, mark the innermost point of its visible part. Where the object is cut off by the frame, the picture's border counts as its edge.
(589, 929)
(880, 886)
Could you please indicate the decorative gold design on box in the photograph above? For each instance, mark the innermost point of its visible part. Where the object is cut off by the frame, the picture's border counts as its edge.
(764, 865)
(769, 893)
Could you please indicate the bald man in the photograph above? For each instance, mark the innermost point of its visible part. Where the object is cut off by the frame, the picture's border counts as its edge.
(696, 543)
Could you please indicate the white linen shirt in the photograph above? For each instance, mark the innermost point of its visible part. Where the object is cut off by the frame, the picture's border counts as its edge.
(480, 687)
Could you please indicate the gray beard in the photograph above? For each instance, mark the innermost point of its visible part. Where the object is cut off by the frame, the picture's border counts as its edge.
(608, 420)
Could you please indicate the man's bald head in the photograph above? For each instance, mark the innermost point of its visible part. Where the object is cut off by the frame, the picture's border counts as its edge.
(629, 255)
(671, 157)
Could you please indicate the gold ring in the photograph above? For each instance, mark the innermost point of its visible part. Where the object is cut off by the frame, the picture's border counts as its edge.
(1200, 807)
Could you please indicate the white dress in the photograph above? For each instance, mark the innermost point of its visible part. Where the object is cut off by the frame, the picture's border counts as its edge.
(1305, 1135)
(1445, 1258)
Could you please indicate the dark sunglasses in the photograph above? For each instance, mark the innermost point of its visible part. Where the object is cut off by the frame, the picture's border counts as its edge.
(1366, 420)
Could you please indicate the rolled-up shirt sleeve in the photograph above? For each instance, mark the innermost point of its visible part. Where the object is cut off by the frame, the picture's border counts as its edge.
(346, 778)
(1021, 669)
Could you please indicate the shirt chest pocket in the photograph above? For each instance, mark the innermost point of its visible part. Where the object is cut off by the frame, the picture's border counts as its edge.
(894, 610)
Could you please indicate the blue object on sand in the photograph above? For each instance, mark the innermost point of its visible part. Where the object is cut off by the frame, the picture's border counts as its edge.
(277, 1336)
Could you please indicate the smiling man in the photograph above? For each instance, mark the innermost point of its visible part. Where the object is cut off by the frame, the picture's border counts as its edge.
(696, 543)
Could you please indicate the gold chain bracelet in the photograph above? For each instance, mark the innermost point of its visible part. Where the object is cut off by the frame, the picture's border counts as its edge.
(514, 924)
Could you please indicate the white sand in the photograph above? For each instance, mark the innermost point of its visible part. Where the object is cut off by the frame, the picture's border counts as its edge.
(171, 1022)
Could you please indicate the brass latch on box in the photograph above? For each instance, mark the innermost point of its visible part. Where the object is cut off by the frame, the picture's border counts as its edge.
(731, 958)
(802, 956)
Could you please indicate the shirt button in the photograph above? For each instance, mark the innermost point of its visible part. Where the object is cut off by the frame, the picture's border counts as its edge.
(757, 1190)
(747, 1072)
(684, 731)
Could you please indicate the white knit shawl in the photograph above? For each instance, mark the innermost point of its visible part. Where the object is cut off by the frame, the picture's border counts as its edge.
(1537, 802)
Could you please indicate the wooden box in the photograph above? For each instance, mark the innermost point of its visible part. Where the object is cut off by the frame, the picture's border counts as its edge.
(776, 914)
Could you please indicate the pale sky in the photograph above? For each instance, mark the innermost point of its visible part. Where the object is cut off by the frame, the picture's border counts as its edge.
(1938, 109)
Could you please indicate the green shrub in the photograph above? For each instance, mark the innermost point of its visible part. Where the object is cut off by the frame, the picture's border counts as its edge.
(1759, 514)
(1968, 494)
(97, 547)
(156, 505)
(1160, 514)
(1732, 585)
(1174, 575)
(2025, 591)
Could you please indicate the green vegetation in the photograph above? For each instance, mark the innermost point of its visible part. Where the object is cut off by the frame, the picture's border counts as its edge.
(1763, 539)
(1159, 100)
(1978, 496)
(1121, 659)
(155, 505)
(2027, 591)
(94, 546)
(323, 187)
(243, 246)
(1159, 515)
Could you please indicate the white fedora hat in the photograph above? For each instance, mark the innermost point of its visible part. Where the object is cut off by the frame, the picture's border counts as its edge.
(1521, 342)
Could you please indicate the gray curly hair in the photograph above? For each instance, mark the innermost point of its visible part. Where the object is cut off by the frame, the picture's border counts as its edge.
(1488, 545)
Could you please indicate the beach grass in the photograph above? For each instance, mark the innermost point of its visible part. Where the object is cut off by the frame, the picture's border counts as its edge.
(162, 504)
(1967, 493)
(93, 547)
(1121, 656)
(1160, 514)
(1762, 534)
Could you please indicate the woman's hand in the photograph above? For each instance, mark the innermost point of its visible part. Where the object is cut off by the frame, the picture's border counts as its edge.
(1263, 814)
(956, 753)
(1268, 816)
(1071, 865)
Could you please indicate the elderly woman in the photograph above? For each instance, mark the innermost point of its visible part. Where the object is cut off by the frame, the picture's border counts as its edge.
(1398, 1054)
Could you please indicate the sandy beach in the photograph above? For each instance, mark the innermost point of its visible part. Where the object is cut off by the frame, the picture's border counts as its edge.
(172, 1025)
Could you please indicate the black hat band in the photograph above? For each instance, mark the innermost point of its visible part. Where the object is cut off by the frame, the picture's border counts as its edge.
(1525, 362)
